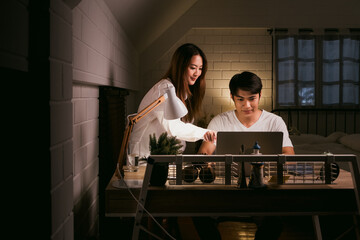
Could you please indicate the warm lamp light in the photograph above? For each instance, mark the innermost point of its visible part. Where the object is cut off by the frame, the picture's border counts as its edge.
(174, 109)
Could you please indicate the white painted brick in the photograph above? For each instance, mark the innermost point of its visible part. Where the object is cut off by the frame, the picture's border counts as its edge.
(266, 83)
(79, 111)
(210, 65)
(97, 16)
(263, 40)
(207, 100)
(268, 66)
(256, 48)
(61, 9)
(68, 159)
(215, 92)
(77, 136)
(266, 92)
(225, 92)
(67, 81)
(91, 35)
(221, 83)
(69, 227)
(92, 108)
(59, 235)
(90, 173)
(56, 166)
(77, 189)
(212, 74)
(67, 190)
(208, 48)
(76, 91)
(225, 108)
(80, 55)
(89, 131)
(213, 39)
(58, 213)
(230, 57)
(76, 26)
(94, 62)
(229, 74)
(230, 39)
(56, 90)
(246, 40)
(84, 6)
(222, 66)
(198, 39)
(79, 160)
(214, 57)
(209, 83)
(220, 31)
(222, 48)
(237, 66)
(264, 74)
(238, 48)
(60, 39)
(263, 57)
(60, 114)
(246, 57)
(92, 151)
(90, 92)
(221, 101)
(268, 48)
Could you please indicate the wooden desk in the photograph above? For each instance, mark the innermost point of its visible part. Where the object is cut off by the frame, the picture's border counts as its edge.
(228, 200)
(340, 197)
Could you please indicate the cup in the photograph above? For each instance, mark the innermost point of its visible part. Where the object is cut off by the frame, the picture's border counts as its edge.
(132, 158)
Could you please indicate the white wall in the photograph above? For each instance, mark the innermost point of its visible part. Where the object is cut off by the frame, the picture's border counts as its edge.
(102, 55)
(61, 114)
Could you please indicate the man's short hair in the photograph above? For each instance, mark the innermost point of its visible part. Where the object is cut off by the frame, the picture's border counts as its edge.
(246, 81)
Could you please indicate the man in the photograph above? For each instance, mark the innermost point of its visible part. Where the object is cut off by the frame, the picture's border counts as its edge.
(245, 91)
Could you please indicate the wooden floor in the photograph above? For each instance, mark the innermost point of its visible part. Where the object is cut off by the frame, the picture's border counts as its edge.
(294, 228)
(299, 228)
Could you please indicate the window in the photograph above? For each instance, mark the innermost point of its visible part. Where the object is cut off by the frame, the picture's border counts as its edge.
(317, 70)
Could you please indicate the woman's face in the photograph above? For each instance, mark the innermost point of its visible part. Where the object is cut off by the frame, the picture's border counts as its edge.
(194, 69)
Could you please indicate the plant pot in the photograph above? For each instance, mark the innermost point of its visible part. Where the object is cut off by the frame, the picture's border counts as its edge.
(159, 174)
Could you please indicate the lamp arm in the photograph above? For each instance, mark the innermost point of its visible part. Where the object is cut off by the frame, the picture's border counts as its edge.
(128, 130)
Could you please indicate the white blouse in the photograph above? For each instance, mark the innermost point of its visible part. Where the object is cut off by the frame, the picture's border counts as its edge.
(154, 122)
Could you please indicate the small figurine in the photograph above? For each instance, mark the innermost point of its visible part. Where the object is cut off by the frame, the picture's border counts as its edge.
(256, 148)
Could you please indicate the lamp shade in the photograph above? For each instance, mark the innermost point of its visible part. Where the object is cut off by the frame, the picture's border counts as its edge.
(174, 107)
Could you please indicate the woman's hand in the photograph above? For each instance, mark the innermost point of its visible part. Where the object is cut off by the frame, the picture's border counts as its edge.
(210, 136)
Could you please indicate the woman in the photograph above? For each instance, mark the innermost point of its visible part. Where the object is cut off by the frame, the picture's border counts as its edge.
(187, 74)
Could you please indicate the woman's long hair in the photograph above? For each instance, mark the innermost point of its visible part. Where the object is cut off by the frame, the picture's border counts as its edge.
(191, 96)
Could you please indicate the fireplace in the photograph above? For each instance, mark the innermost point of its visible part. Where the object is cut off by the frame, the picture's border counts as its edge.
(112, 121)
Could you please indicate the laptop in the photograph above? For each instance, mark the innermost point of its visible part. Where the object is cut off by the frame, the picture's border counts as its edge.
(230, 142)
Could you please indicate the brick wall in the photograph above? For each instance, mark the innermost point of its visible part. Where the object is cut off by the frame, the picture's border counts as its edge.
(61, 113)
(102, 55)
(229, 51)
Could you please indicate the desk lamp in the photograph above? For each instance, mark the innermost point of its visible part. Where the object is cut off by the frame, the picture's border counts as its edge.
(174, 109)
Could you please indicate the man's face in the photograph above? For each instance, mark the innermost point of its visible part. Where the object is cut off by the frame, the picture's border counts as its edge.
(246, 103)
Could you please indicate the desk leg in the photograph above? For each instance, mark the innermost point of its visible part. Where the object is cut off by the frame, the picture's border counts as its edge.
(142, 199)
(317, 227)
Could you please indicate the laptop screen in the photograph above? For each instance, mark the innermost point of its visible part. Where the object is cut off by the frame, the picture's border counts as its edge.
(230, 142)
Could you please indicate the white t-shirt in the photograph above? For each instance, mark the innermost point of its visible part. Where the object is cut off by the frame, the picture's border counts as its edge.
(267, 121)
(154, 122)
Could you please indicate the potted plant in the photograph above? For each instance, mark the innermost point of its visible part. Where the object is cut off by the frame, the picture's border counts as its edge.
(165, 145)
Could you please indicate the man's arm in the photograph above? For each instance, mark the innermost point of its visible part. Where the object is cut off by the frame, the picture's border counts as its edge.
(207, 148)
(288, 150)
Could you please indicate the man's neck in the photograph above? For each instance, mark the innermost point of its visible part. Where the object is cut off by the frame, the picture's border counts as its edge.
(248, 121)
